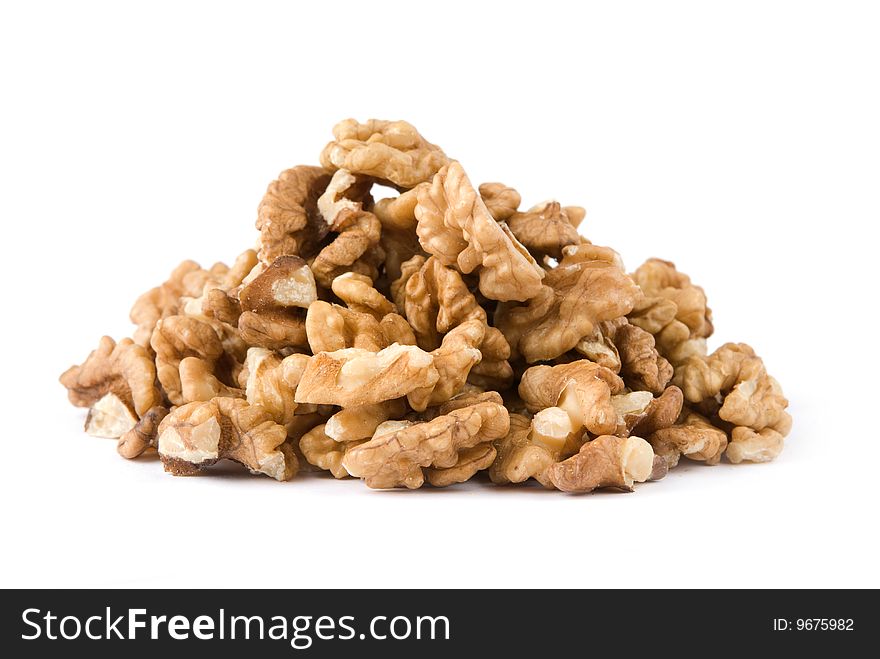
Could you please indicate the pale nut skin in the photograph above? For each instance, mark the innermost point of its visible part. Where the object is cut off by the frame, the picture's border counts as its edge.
(455, 226)
(396, 458)
(392, 151)
(197, 435)
(606, 461)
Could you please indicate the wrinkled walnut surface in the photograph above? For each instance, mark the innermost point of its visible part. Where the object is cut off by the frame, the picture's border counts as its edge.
(396, 324)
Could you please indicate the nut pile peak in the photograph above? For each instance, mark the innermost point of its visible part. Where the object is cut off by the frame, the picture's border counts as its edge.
(426, 338)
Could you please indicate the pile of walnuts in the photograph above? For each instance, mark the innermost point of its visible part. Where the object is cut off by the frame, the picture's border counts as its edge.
(428, 336)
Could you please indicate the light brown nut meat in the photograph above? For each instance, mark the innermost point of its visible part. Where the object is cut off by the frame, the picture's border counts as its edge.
(470, 461)
(750, 398)
(455, 226)
(271, 381)
(391, 151)
(587, 287)
(274, 330)
(581, 389)
(659, 278)
(518, 457)
(453, 360)
(606, 461)
(673, 310)
(287, 282)
(330, 327)
(189, 280)
(642, 367)
(124, 369)
(219, 305)
(143, 435)
(694, 437)
(176, 338)
(545, 228)
(501, 200)
(160, 302)
(324, 452)
(358, 232)
(287, 218)
(661, 413)
(399, 213)
(353, 377)
(395, 459)
(399, 247)
(198, 382)
(354, 423)
(435, 300)
(197, 435)
(359, 295)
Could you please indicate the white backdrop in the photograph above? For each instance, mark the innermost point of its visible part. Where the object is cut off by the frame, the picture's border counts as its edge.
(739, 140)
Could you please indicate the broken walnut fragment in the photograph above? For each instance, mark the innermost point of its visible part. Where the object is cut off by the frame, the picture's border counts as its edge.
(197, 435)
(397, 458)
(455, 226)
(606, 461)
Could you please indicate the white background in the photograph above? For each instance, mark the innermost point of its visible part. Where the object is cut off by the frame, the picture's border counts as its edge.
(740, 140)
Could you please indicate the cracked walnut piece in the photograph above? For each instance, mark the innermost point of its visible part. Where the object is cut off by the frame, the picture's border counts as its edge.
(352, 376)
(390, 151)
(519, 457)
(568, 398)
(197, 435)
(753, 402)
(396, 458)
(606, 461)
(287, 218)
(673, 310)
(587, 287)
(455, 226)
(547, 228)
(124, 369)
